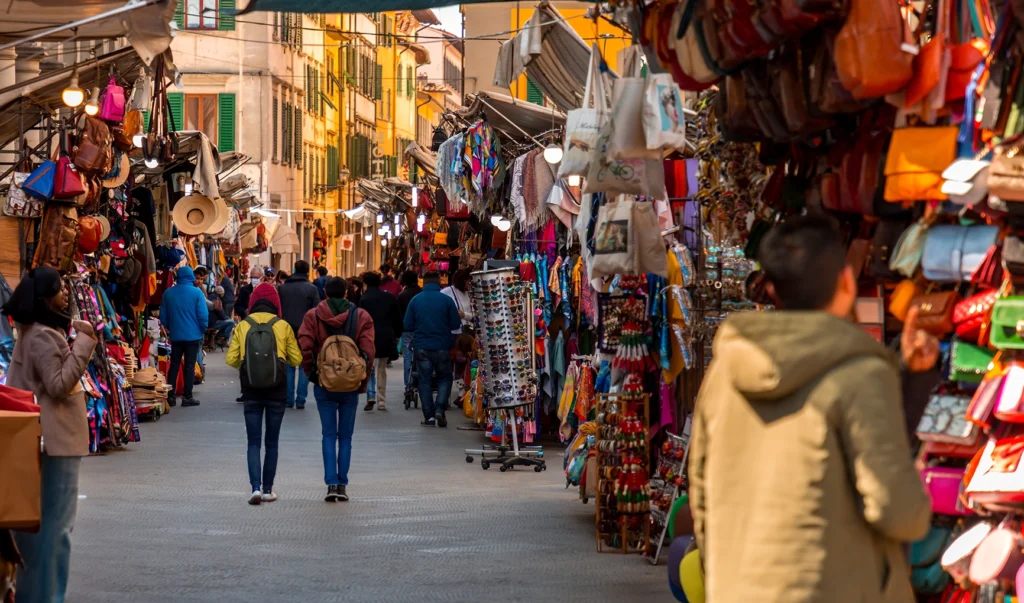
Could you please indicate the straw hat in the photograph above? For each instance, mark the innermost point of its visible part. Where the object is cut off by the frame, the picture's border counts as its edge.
(223, 217)
(194, 214)
(104, 227)
(122, 169)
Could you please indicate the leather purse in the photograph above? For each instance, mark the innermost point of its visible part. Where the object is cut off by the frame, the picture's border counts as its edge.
(989, 274)
(763, 104)
(998, 479)
(58, 240)
(1007, 332)
(40, 181)
(67, 182)
(944, 420)
(826, 92)
(689, 55)
(956, 560)
(887, 236)
(93, 151)
(983, 402)
(928, 61)
(733, 111)
(917, 157)
(789, 86)
(906, 254)
(943, 485)
(971, 315)
(998, 557)
(953, 253)
(902, 296)
(1006, 172)
(964, 59)
(968, 363)
(113, 103)
(1009, 405)
(1013, 257)
(441, 234)
(926, 574)
(869, 56)
(935, 311)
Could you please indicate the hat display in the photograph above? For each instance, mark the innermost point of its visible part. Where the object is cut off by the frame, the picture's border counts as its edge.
(118, 173)
(104, 227)
(89, 234)
(118, 249)
(223, 217)
(194, 214)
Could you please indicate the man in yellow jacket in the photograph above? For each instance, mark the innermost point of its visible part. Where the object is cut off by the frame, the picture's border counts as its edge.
(802, 484)
(263, 381)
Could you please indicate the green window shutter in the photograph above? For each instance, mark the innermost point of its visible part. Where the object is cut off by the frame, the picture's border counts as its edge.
(298, 139)
(176, 102)
(533, 93)
(399, 85)
(179, 15)
(226, 122)
(286, 134)
(145, 121)
(273, 127)
(226, 19)
(379, 82)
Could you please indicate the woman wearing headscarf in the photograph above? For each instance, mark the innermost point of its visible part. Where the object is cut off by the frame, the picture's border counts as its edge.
(44, 364)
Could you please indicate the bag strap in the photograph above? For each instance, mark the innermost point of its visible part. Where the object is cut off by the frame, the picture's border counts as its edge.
(352, 323)
(594, 70)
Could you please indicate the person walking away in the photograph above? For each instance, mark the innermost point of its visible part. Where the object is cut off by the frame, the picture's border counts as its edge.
(336, 340)
(298, 296)
(459, 292)
(388, 284)
(45, 365)
(410, 288)
(184, 313)
(807, 398)
(262, 347)
(320, 281)
(219, 318)
(228, 296)
(431, 318)
(355, 290)
(282, 276)
(387, 327)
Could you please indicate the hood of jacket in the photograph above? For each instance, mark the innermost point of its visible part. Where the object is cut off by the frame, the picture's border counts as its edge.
(298, 278)
(185, 275)
(328, 317)
(770, 355)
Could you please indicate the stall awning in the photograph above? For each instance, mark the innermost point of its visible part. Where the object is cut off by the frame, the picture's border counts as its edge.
(423, 157)
(348, 6)
(515, 118)
(146, 23)
(285, 240)
(551, 53)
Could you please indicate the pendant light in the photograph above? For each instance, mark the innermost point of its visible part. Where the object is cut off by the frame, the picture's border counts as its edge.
(398, 219)
(368, 236)
(380, 218)
(574, 180)
(93, 106)
(504, 225)
(73, 95)
(553, 153)
(415, 196)
(383, 242)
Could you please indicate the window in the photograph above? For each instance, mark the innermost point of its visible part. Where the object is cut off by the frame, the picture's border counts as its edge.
(387, 105)
(201, 114)
(274, 125)
(452, 75)
(410, 88)
(205, 14)
(286, 134)
(299, 159)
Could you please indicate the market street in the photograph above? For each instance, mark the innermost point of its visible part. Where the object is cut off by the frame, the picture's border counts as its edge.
(167, 519)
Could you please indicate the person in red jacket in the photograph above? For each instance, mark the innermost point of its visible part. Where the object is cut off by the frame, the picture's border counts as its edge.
(337, 409)
(388, 283)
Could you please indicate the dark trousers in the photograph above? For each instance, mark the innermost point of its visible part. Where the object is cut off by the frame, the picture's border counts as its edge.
(433, 366)
(189, 350)
(254, 411)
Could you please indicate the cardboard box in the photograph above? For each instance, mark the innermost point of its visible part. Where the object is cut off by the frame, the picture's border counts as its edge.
(20, 475)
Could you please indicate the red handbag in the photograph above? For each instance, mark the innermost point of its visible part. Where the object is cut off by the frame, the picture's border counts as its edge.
(67, 182)
(971, 314)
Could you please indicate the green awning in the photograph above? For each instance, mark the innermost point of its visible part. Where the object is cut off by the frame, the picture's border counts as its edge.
(349, 6)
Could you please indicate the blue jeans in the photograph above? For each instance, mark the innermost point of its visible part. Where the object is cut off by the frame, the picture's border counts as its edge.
(434, 366)
(337, 423)
(296, 396)
(47, 554)
(407, 358)
(254, 410)
(224, 328)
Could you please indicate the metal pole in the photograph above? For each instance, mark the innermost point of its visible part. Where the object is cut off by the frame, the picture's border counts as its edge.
(134, 4)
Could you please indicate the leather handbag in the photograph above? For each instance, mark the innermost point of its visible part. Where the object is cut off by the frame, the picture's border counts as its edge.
(917, 157)
(998, 557)
(926, 574)
(1006, 172)
(943, 485)
(1009, 405)
(778, 20)
(1013, 255)
(40, 181)
(733, 111)
(689, 56)
(17, 203)
(869, 56)
(67, 182)
(952, 253)
(93, 151)
(1007, 332)
(956, 559)
(998, 478)
(902, 296)
(789, 87)
(928, 61)
(441, 234)
(944, 420)
(989, 274)
(826, 92)
(935, 311)
(905, 257)
(971, 315)
(763, 104)
(113, 103)
(968, 363)
(887, 236)
(983, 402)
(58, 240)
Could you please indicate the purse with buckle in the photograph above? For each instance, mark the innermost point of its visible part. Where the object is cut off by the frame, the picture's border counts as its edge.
(935, 311)
(1010, 402)
(953, 253)
(1007, 332)
(968, 363)
(971, 315)
(1006, 172)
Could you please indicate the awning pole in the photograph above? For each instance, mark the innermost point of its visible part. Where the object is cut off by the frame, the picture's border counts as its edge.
(524, 132)
(132, 5)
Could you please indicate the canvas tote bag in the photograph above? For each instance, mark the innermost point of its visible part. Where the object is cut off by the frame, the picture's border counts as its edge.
(628, 93)
(614, 239)
(664, 124)
(651, 254)
(584, 124)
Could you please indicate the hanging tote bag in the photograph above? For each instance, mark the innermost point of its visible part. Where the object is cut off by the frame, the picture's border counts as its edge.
(614, 239)
(584, 124)
(39, 183)
(650, 248)
(628, 140)
(664, 123)
(112, 106)
(870, 51)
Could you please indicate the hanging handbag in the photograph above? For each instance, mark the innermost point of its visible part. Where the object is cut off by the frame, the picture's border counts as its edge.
(584, 124)
(1006, 172)
(113, 103)
(953, 253)
(956, 560)
(58, 240)
(966, 51)
(989, 274)
(1013, 255)
(999, 555)
(968, 363)
(966, 181)
(67, 181)
(998, 478)
(887, 237)
(971, 315)
(93, 151)
(1007, 332)
(935, 311)
(944, 485)
(928, 61)
(441, 234)
(870, 56)
(19, 204)
(627, 139)
(926, 574)
(983, 402)
(944, 420)
(615, 239)
(902, 296)
(916, 160)
(40, 182)
(906, 254)
(1009, 406)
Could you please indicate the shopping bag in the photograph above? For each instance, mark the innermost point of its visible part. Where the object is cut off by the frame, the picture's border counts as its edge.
(664, 125)
(628, 93)
(624, 176)
(584, 124)
(650, 247)
(615, 239)
(20, 480)
(18, 203)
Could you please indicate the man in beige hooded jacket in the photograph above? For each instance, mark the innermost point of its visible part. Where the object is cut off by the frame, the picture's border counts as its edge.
(802, 484)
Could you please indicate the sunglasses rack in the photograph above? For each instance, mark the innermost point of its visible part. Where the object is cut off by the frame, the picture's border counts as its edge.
(667, 483)
(623, 515)
(503, 311)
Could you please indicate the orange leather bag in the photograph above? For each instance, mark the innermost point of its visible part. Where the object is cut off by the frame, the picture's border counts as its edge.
(869, 55)
(969, 35)
(917, 157)
(928, 62)
(902, 296)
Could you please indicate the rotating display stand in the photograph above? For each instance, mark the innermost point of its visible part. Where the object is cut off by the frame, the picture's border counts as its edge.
(503, 315)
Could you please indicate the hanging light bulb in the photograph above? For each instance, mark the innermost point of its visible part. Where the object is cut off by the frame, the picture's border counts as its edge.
(152, 162)
(73, 95)
(383, 242)
(553, 153)
(389, 235)
(398, 219)
(398, 229)
(368, 236)
(138, 139)
(380, 218)
(93, 106)
(504, 225)
(574, 180)
(415, 196)
(495, 219)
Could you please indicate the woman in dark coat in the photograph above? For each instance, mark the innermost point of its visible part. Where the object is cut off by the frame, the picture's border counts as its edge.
(387, 325)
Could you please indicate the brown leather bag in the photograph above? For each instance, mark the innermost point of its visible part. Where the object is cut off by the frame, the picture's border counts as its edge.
(935, 311)
(733, 111)
(58, 240)
(869, 55)
(826, 93)
(93, 152)
(763, 104)
(1006, 172)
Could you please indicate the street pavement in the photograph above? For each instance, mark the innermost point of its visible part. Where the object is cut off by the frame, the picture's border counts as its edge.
(166, 519)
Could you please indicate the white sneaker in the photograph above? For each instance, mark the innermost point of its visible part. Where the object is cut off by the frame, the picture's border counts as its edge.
(256, 498)
(269, 496)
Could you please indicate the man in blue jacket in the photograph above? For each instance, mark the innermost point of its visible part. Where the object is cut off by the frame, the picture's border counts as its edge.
(431, 318)
(184, 314)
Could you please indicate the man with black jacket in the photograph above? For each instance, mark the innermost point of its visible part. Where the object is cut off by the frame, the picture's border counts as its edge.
(387, 327)
(298, 296)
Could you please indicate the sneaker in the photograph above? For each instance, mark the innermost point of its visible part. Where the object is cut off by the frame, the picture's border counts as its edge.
(257, 496)
(370, 404)
(442, 421)
(332, 494)
(290, 405)
(300, 406)
(185, 402)
(427, 422)
(172, 401)
(240, 399)
(382, 407)
(342, 495)
(269, 496)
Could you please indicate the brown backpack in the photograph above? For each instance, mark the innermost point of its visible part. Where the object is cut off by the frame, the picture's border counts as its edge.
(341, 365)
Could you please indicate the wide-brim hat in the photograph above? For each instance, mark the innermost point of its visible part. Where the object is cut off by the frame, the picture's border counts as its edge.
(194, 214)
(223, 217)
(104, 227)
(118, 175)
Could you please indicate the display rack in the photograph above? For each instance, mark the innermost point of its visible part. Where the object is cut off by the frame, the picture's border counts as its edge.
(503, 313)
(667, 484)
(623, 514)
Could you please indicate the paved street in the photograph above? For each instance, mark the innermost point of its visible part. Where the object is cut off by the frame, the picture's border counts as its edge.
(167, 519)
